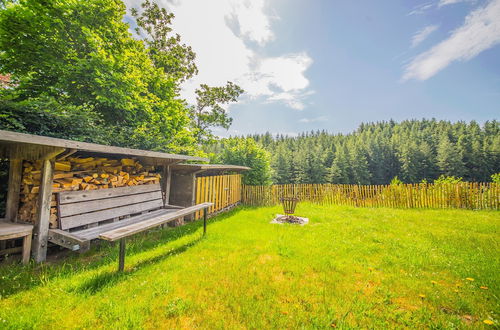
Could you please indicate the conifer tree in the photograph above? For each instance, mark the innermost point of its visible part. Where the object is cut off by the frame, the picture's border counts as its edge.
(449, 159)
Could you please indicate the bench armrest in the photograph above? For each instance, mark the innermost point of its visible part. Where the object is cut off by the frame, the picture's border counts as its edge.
(68, 240)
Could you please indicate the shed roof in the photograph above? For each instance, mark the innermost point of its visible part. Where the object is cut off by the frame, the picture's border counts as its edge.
(28, 146)
(199, 168)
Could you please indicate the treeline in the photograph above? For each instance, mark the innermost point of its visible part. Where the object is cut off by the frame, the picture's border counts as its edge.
(376, 153)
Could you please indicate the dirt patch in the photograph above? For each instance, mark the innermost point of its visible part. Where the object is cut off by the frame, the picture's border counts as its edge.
(291, 219)
(404, 304)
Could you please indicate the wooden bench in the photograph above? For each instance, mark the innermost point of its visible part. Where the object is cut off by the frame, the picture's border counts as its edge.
(10, 230)
(113, 214)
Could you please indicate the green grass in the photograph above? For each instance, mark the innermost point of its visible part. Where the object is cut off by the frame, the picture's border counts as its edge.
(350, 267)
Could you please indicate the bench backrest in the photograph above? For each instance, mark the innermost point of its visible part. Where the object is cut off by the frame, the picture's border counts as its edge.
(87, 207)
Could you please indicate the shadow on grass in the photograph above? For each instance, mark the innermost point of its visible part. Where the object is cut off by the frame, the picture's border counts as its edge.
(108, 279)
(16, 278)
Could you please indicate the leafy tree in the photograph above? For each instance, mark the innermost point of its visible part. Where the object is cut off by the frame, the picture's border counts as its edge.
(495, 178)
(246, 152)
(164, 48)
(45, 116)
(81, 54)
(177, 62)
(209, 110)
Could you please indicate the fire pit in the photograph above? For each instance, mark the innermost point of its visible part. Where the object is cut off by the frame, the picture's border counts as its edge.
(289, 204)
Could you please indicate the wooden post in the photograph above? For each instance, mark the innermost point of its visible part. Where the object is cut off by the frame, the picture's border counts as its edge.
(121, 260)
(26, 248)
(14, 189)
(204, 221)
(43, 213)
(167, 179)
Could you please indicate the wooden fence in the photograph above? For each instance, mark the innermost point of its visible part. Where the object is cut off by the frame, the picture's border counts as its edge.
(222, 190)
(469, 195)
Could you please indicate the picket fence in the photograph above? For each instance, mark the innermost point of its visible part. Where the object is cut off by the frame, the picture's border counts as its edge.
(222, 190)
(467, 195)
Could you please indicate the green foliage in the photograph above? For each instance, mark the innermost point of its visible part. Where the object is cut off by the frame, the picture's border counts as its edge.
(412, 150)
(48, 117)
(79, 58)
(209, 112)
(308, 165)
(395, 181)
(164, 48)
(495, 178)
(449, 158)
(246, 152)
(340, 171)
(282, 165)
(447, 179)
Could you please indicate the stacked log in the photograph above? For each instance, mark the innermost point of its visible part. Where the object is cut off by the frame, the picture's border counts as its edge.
(76, 173)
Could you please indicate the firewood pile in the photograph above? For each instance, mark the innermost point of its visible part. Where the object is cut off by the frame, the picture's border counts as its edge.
(75, 173)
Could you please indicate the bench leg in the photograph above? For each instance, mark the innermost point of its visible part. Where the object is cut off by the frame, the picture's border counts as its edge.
(26, 248)
(204, 221)
(121, 260)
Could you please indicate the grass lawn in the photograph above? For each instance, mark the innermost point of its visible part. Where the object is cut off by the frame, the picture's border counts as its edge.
(350, 267)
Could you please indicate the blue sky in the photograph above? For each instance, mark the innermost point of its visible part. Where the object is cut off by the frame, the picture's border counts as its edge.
(331, 65)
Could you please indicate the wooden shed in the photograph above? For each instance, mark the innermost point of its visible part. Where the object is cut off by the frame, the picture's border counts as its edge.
(50, 153)
(185, 176)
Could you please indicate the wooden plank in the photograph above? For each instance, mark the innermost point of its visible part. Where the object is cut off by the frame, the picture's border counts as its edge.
(120, 233)
(62, 175)
(85, 219)
(28, 139)
(10, 230)
(167, 179)
(121, 257)
(41, 230)
(198, 196)
(93, 233)
(14, 188)
(85, 195)
(11, 250)
(66, 210)
(68, 240)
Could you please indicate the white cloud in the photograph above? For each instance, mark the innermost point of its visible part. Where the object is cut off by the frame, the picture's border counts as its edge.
(424, 7)
(422, 35)
(313, 120)
(480, 31)
(228, 37)
(252, 22)
(293, 99)
(452, 2)
(420, 9)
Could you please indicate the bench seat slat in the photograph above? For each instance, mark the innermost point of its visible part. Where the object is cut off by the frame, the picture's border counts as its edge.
(93, 233)
(93, 217)
(101, 204)
(135, 228)
(67, 197)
